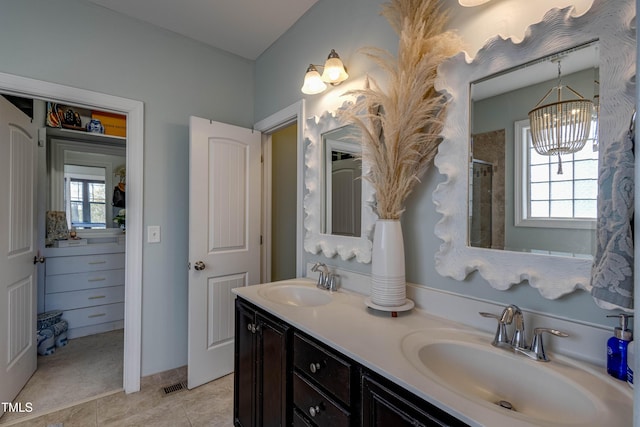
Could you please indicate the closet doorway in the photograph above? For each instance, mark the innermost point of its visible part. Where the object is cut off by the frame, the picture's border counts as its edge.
(129, 340)
(82, 272)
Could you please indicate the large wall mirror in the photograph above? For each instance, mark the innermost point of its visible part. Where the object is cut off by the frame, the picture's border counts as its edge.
(338, 215)
(83, 172)
(509, 212)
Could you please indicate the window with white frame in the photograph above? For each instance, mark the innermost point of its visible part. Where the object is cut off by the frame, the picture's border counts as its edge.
(547, 199)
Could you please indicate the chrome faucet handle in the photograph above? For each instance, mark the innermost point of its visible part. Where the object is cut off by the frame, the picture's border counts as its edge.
(331, 282)
(536, 344)
(501, 338)
(537, 348)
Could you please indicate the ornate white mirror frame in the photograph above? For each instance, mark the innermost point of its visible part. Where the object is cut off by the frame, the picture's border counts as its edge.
(610, 22)
(315, 241)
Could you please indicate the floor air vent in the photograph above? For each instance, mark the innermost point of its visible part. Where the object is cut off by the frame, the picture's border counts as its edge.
(175, 388)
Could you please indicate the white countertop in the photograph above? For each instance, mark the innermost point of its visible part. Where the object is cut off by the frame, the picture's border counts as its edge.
(374, 339)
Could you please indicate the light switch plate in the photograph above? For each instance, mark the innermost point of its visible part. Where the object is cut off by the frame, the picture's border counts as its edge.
(153, 234)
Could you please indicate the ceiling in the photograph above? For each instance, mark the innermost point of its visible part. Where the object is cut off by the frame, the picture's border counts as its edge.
(243, 27)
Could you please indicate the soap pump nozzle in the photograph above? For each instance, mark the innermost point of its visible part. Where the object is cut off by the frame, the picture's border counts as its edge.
(622, 332)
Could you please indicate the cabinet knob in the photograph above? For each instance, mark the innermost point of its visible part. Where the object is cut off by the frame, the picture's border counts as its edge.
(253, 328)
(314, 410)
(314, 367)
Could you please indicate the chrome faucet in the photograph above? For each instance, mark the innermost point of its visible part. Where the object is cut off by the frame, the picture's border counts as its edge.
(326, 279)
(518, 343)
(509, 314)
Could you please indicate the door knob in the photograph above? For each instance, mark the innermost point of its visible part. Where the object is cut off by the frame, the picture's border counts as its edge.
(38, 259)
(199, 266)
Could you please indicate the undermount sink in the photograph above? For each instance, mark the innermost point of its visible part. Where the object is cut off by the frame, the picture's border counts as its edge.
(296, 292)
(554, 393)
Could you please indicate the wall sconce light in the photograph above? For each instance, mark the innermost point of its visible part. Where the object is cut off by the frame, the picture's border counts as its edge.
(472, 3)
(333, 73)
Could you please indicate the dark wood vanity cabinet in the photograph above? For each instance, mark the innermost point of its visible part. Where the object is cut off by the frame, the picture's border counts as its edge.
(386, 404)
(284, 377)
(261, 369)
(322, 384)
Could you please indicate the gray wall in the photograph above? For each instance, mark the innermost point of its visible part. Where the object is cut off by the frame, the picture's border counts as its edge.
(78, 44)
(349, 25)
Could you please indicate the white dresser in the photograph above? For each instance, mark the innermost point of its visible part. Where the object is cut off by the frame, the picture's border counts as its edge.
(87, 283)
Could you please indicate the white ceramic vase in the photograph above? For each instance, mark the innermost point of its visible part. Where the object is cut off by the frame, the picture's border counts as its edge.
(388, 285)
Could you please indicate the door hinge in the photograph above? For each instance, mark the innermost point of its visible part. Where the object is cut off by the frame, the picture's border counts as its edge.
(261, 239)
(261, 159)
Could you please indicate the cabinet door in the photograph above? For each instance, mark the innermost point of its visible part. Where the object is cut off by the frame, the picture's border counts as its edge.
(388, 405)
(272, 373)
(245, 367)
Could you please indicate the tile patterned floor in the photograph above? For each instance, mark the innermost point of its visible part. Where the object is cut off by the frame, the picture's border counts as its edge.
(208, 405)
(86, 367)
(80, 386)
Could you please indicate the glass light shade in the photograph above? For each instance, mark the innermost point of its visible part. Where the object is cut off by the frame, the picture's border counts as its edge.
(313, 82)
(561, 127)
(334, 71)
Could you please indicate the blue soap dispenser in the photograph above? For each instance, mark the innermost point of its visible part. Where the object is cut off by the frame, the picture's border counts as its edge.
(617, 348)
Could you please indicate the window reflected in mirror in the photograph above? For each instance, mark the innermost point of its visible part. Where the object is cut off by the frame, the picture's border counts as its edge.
(85, 196)
(519, 199)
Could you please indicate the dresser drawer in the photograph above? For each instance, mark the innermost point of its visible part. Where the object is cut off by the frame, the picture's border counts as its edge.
(299, 420)
(317, 406)
(81, 281)
(94, 315)
(80, 299)
(323, 367)
(84, 263)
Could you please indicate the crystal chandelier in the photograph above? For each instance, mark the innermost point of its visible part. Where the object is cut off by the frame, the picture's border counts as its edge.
(560, 127)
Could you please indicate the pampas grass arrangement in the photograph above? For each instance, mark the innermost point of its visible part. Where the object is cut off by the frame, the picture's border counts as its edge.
(401, 125)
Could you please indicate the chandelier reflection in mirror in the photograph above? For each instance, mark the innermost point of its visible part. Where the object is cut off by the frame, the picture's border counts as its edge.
(561, 127)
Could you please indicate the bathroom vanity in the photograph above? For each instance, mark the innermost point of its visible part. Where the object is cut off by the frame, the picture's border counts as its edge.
(310, 357)
(284, 376)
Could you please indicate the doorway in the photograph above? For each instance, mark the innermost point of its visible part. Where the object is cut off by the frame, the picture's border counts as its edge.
(134, 110)
(84, 276)
(283, 151)
(280, 125)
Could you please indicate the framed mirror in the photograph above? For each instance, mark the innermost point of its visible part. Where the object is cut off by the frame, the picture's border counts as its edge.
(341, 182)
(493, 224)
(82, 175)
(338, 216)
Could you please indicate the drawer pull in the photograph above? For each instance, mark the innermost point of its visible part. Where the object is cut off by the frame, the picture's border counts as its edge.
(97, 279)
(314, 367)
(314, 410)
(97, 315)
(98, 297)
(97, 262)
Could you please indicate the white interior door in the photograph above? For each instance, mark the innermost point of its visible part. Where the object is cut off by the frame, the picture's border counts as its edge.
(18, 161)
(224, 239)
